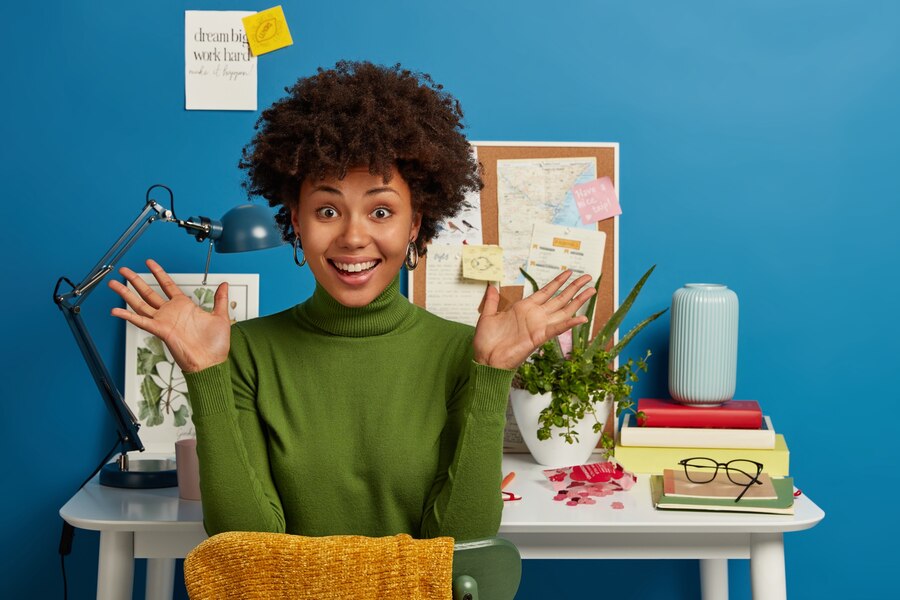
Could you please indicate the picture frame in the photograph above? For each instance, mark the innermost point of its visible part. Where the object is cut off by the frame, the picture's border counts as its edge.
(155, 389)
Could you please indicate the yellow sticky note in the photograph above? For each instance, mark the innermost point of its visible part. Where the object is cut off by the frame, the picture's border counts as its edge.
(482, 262)
(267, 31)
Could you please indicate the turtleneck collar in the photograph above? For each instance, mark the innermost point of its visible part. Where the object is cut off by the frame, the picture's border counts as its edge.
(383, 315)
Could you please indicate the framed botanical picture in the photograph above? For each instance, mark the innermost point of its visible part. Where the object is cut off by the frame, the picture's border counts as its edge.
(155, 389)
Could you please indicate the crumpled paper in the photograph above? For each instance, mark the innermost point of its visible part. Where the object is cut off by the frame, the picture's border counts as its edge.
(580, 484)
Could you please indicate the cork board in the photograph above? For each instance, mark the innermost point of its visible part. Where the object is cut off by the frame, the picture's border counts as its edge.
(606, 155)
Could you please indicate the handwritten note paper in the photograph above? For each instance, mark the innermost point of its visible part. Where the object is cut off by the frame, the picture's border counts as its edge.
(267, 31)
(449, 295)
(555, 248)
(484, 263)
(220, 71)
(596, 200)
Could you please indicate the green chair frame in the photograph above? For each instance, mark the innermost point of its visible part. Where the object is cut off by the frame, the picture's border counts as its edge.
(486, 569)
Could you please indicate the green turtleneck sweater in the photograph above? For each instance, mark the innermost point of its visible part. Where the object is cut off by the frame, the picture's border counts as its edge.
(330, 420)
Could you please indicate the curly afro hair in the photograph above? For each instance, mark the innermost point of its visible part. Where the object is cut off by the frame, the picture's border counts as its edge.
(361, 114)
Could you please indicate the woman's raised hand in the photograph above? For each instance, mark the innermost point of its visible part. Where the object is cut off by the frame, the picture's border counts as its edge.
(506, 339)
(195, 338)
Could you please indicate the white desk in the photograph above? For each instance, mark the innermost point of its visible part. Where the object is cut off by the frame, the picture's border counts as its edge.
(157, 525)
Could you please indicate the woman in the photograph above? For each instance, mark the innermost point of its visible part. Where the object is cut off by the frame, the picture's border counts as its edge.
(354, 412)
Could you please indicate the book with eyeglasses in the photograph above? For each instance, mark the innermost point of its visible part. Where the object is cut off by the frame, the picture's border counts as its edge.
(632, 434)
(771, 495)
(656, 459)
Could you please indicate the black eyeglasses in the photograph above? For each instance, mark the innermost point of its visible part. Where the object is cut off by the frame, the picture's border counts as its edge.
(739, 471)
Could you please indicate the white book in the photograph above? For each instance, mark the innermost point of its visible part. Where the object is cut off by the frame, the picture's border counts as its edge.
(690, 437)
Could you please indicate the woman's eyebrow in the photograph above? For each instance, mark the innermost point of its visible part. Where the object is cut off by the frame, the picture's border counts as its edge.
(372, 192)
(378, 190)
(327, 188)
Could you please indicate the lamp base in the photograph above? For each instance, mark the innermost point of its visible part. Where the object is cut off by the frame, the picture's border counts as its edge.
(140, 474)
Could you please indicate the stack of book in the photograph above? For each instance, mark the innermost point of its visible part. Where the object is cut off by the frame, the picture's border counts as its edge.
(670, 432)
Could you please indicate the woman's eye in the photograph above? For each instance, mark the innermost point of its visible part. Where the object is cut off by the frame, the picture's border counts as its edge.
(381, 213)
(327, 212)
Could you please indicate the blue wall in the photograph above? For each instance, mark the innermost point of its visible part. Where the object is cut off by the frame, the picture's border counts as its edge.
(758, 149)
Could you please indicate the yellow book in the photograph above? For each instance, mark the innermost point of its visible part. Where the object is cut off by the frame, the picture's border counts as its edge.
(645, 459)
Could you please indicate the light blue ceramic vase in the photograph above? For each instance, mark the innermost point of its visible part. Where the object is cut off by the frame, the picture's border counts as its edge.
(703, 344)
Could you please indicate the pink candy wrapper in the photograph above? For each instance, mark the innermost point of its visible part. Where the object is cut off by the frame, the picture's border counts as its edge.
(579, 483)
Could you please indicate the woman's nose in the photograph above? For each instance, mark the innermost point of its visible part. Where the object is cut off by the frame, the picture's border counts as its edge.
(355, 233)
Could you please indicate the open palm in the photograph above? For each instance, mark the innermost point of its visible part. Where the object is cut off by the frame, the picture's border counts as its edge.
(505, 339)
(196, 339)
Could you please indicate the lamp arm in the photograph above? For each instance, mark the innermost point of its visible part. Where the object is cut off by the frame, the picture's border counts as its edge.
(70, 304)
(151, 212)
(126, 423)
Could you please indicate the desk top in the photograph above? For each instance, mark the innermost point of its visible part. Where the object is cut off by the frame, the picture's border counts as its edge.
(538, 512)
(97, 507)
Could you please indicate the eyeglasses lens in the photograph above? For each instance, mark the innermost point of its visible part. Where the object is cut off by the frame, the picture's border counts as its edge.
(742, 472)
(700, 470)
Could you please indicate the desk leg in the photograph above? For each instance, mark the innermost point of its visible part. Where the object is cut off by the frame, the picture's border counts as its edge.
(714, 578)
(160, 578)
(767, 578)
(115, 573)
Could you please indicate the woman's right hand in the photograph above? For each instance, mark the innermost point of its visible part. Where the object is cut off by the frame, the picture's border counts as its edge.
(195, 338)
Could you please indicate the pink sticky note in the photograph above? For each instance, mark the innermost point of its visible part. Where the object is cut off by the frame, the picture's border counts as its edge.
(565, 341)
(596, 200)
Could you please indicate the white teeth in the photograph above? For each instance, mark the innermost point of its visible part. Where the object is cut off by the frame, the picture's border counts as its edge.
(355, 267)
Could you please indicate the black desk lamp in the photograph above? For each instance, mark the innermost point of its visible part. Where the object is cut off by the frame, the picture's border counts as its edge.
(245, 227)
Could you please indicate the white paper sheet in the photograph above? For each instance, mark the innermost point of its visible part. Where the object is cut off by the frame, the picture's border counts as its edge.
(219, 70)
(448, 294)
(555, 248)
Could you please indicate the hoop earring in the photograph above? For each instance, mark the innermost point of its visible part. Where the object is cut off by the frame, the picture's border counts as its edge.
(412, 257)
(298, 249)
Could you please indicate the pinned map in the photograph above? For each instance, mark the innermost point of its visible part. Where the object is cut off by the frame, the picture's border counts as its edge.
(533, 191)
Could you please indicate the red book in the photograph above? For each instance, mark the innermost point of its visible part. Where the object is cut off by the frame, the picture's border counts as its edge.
(734, 414)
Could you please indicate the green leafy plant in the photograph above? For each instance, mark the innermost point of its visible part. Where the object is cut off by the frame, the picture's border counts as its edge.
(587, 375)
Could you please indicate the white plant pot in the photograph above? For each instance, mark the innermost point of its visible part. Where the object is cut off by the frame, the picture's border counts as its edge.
(555, 452)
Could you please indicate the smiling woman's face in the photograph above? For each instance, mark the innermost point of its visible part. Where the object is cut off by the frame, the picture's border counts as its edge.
(355, 232)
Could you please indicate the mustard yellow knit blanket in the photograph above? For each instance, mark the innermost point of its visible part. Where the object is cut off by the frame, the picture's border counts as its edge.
(239, 565)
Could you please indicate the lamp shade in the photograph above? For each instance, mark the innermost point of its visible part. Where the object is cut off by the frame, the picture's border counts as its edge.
(247, 227)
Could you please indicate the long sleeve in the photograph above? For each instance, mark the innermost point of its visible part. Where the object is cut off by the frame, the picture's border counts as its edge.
(465, 500)
(237, 490)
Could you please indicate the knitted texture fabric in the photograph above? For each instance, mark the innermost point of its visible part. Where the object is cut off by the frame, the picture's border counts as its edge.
(241, 565)
(329, 420)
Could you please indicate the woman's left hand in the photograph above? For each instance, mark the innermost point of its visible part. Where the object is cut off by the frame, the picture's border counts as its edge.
(505, 339)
